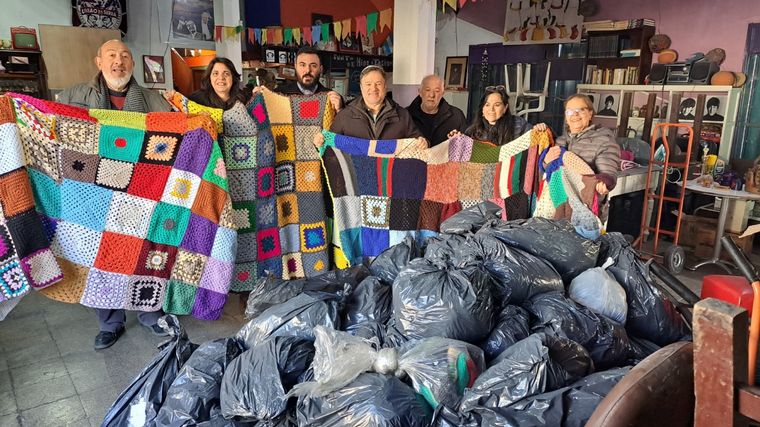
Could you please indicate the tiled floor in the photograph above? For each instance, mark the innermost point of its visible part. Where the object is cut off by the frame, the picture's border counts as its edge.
(50, 375)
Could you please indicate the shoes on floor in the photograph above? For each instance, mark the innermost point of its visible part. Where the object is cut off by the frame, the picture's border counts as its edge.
(105, 339)
(156, 330)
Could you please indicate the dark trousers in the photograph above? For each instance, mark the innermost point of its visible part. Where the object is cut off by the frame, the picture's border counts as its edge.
(110, 320)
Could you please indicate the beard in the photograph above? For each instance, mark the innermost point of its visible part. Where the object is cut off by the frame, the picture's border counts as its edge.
(117, 82)
(314, 81)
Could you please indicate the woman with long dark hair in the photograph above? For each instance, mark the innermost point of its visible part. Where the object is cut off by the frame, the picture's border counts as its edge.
(495, 123)
(220, 85)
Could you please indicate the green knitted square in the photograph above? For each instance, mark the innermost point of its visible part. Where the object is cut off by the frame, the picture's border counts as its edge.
(120, 143)
(557, 189)
(240, 152)
(120, 118)
(245, 216)
(484, 153)
(47, 194)
(216, 170)
(180, 297)
(168, 224)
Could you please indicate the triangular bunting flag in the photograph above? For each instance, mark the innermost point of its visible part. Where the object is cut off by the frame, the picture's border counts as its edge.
(229, 32)
(386, 19)
(325, 32)
(451, 3)
(257, 35)
(361, 25)
(338, 30)
(218, 33)
(297, 35)
(288, 35)
(462, 2)
(278, 36)
(307, 35)
(251, 39)
(316, 33)
(264, 36)
(346, 27)
(371, 22)
(270, 35)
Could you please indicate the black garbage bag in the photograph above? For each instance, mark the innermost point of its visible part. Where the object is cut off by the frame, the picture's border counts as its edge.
(641, 349)
(369, 302)
(255, 384)
(271, 290)
(372, 399)
(471, 219)
(387, 265)
(139, 404)
(393, 337)
(512, 326)
(535, 365)
(442, 248)
(193, 397)
(431, 299)
(555, 314)
(295, 317)
(570, 406)
(552, 240)
(650, 314)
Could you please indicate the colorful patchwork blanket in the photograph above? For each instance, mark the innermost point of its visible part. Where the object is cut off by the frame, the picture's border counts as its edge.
(136, 205)
(275, 182)
(26, 260)
(383, 191)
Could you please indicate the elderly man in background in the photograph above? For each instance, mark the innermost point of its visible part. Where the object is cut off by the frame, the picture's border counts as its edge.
(432, 115)
(114, 88)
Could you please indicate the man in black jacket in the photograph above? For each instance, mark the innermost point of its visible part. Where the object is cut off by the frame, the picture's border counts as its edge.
(308, 71)
(432, 115)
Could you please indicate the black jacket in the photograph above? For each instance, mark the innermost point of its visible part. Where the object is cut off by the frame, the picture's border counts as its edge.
(291, 88)
(446, 119)
(394, 122)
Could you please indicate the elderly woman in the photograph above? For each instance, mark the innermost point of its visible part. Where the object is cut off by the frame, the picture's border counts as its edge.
(594, 144)
(495, 123)
(373, 116)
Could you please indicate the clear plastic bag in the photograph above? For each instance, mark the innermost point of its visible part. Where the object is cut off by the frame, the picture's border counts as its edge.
(598, 290)
(440, 369)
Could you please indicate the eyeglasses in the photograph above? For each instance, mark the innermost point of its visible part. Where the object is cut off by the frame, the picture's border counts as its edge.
(495, 88)
(573, 111)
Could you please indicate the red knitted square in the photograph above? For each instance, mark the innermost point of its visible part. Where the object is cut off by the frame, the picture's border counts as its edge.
(309, 109)
(166, 122)
(70, 111)
(430, 215)
(7, 114)
(149, 180)
(209, 201)
(118, 253)
(442, 182)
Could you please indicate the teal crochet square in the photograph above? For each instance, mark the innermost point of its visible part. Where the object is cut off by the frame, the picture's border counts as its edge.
(168, 224)
(216, 170)
(47, 193)
(120, 143)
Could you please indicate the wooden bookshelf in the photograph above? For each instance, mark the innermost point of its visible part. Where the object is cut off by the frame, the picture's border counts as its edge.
(604, 54)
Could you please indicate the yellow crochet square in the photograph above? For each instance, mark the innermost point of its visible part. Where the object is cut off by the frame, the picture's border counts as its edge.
(128, 119)
(278, 108)
(284, 143)
(214, 113)
(308, 176)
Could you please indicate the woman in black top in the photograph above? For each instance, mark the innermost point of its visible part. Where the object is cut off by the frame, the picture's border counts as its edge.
(220, 86)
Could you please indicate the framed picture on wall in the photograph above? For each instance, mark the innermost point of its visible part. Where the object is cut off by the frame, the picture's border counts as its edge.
(153, 69)
(350, 44)
(456, 72)
(608, 104)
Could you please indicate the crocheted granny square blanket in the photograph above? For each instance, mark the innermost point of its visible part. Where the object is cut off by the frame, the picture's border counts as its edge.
(275, 182)
(136, 205)
(383, 191)
(567, 190)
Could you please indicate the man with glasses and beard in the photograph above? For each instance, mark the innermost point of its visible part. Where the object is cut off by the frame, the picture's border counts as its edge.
(308, 71)
(114, 88)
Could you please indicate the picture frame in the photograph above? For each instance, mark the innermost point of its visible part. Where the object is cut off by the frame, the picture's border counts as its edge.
(350, 44)
(608, 105)
(153, 69)
(456, 72)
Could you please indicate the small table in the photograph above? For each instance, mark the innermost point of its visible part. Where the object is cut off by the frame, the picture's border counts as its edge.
(725, 194)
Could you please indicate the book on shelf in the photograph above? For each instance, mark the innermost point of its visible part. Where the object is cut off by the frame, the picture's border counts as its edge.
(630, 53)
(611, 76)
(603, 47)
(609, 25)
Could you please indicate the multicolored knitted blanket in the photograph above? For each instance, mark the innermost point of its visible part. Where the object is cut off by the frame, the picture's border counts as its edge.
(25, 258)
(567, 190)
(383, 191)
(136, 204)
(275, 182)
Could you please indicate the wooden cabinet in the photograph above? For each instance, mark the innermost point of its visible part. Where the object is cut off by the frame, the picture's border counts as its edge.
(24, 73)
(618, 57)
(715, 122)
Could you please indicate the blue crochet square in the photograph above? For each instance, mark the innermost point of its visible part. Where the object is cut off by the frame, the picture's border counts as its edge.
(85, 204)
(374, 241)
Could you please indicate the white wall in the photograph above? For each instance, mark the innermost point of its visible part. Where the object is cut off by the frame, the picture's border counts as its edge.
(453, 38)
(30, 13)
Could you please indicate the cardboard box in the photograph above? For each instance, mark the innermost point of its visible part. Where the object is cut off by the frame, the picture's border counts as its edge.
(738, 213)
(704, 239)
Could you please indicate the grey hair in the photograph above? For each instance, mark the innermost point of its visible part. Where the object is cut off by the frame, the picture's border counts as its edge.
(370, 68)
(109, 41)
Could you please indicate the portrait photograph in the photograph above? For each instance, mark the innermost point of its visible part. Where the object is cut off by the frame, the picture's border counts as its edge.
(687, 109)
(607, 105)
(456, 72)
(715, 109)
